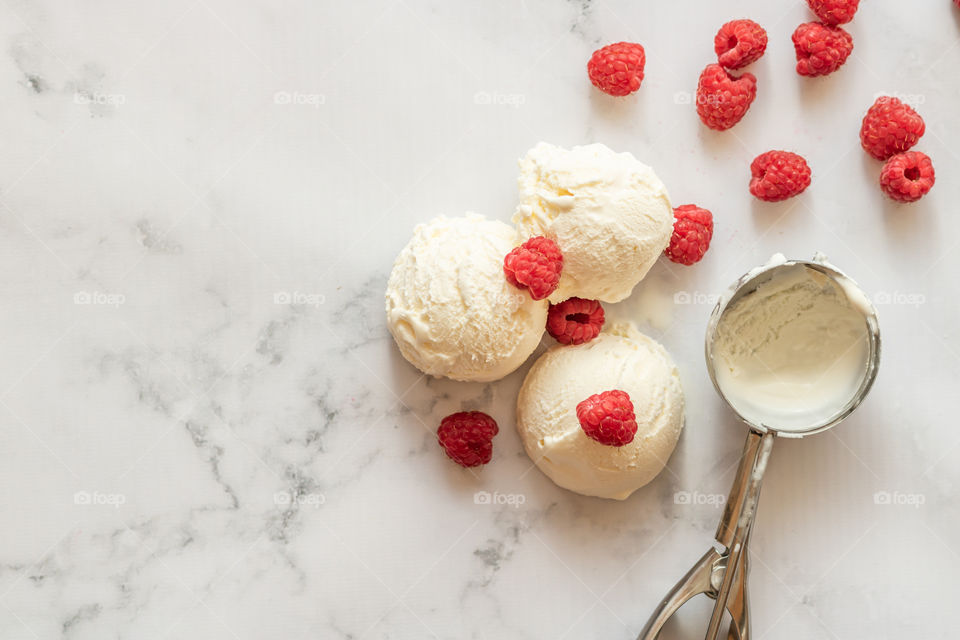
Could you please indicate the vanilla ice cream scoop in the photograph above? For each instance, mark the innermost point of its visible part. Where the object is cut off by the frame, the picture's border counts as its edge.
(795, 348)
(621, 358)
(608, 212)
(450, 309)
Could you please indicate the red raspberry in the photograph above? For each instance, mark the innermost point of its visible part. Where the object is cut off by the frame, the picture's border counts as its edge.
(617, 69)
(820, 49)
(890, 127)
(778, 175)
(467, 437)
(740, 42)
(535, 265)
(834, 12)
(575, 320)
(722, 100)
(608, 418)
(692, 231)
(907, 177)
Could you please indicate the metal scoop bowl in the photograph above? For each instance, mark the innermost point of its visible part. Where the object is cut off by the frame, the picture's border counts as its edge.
(721, 573)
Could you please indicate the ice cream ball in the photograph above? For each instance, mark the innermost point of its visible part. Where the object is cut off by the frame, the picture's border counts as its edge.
(608, 212)
(620, 358)
(450, 308)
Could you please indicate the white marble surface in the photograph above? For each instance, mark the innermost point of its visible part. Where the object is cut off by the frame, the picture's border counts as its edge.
(174, 174)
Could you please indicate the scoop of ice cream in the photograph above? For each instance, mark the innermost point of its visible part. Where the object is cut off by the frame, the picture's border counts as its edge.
(450, 308)
(608, 212)
(793, 352)
(621, 358)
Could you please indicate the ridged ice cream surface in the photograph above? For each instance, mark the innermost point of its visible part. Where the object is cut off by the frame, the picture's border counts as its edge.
(791, 354)
(609, 213)
(449, 307)
(619, 358)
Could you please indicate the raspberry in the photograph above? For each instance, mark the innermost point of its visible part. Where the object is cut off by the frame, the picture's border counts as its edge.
(722, 100)
(617, 69)
(692, 231)
(740, 42)
(890, 127)
(535, 265)
(467, 437)
(778, 175)
(575, 320)
(834, 12)
(907, 177)
(821, 49)
(608, 418)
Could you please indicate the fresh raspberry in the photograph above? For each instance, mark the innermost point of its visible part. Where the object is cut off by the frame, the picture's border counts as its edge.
(467, 437)
(907, 177)
(722, 100)
(778, 175)
(575, 320)
(740, 42)
(834, 12)
(608, 418)
(617, 69)
(692, 231)
(890, 127)
(535, 265)
(820, 49)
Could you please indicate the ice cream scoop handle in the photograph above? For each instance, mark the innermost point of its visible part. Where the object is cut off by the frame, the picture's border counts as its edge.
(738, 517)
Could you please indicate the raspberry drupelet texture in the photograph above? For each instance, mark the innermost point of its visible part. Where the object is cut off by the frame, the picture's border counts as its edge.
(692, 232)
(890, 127)
(536, 266)
(467, 437)
(740, 42)
(821, 49)
(617, 69)
(907, 177)
(834, 12)
(608, 418)
(722, 100)
(575, 320)
(778, 175)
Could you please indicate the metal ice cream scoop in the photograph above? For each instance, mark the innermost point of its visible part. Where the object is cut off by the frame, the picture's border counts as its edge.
(721, 573)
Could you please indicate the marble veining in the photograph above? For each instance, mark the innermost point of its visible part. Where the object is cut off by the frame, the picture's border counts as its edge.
(207, 431)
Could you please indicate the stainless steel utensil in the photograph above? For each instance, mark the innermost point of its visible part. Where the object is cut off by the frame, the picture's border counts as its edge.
(722, 572)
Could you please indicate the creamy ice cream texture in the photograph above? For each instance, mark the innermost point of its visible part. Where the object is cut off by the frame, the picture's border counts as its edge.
(619, 358)
(608, 212)
(792, 353)
(450, 308)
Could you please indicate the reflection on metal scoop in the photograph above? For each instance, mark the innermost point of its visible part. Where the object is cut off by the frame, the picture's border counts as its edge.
(767, 376)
